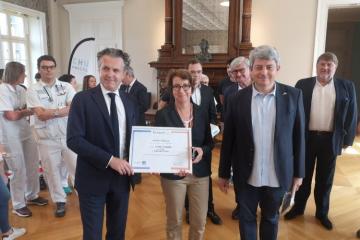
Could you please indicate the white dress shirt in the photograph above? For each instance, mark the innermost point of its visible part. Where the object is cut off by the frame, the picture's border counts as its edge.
(121, 116)
(322, 107)
(196, 96)
(263, 116)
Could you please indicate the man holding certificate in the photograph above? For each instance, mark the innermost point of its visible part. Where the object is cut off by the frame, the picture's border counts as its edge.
(99, 127)
(182, 113)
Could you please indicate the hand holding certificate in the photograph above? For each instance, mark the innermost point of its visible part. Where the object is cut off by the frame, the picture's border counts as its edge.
(161, 150)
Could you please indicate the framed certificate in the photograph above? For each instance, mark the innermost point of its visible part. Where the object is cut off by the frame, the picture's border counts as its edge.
(160, 149)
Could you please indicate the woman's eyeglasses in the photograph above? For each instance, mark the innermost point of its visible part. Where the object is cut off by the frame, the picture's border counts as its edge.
(185, 87)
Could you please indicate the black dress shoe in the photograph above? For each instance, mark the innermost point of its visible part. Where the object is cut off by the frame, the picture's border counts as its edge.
(60, 209)
(235, 213)
(293, 213)
(214, 217)
(325, 221)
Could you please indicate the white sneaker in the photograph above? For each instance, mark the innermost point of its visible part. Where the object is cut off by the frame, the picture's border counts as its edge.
(16, 232)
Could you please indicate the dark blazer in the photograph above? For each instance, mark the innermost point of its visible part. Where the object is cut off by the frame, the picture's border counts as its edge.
(345, 118)
(90, 135)
(139, 92)
(200, 133)
(228, 92)
(238, 144)
(207, 102)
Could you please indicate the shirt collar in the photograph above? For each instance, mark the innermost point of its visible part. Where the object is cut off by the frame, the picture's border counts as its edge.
(256, 92)
(331, 82)
(10, 87)
(44, 84)
(105, 91)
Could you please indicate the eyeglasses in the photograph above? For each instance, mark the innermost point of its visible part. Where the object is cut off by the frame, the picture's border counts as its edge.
(47, 68)
(185, 87)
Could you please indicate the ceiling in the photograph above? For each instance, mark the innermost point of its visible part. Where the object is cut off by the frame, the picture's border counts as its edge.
(205, 15)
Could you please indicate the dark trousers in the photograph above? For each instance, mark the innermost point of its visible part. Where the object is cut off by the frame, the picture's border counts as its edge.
(210, 201)
(319, 150)
(4, 207)
(269, 199)
(92, 215)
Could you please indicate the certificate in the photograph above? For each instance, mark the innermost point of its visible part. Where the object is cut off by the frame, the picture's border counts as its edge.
(160, 149)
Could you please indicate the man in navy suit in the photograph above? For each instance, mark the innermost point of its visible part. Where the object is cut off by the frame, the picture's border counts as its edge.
(330, 113)
(240, 72)
(138, 92)
(99, 129)
(264, 142)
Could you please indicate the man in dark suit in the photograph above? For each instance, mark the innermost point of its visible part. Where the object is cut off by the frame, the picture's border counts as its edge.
(240, 72)
(330, 113)
(99, 129)
(264, 143)
(138, 92)
(203, 96)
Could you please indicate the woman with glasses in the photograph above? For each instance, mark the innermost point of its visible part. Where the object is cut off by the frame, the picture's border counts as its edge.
(183, 113)
(20, 142)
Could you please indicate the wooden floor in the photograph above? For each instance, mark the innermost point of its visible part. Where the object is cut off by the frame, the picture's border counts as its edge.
(146, 218)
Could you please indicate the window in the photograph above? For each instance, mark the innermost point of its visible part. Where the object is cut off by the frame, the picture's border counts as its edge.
(22, 37)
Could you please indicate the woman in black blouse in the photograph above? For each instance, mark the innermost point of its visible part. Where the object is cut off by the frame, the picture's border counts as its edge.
(183, 113)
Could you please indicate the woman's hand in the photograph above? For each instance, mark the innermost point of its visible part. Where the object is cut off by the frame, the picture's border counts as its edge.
(182, 173)
(198, 153)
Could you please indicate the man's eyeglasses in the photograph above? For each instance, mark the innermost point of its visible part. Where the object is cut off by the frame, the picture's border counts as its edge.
(47, 68)
(186, 87)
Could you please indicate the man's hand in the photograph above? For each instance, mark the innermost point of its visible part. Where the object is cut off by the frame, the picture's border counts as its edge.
(121, 166)
(296, 184)
(223, 184)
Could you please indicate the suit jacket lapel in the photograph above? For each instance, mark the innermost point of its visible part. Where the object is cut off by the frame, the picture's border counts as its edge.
(100, 101)
(246, 106)
(281, 101)
(339, 93)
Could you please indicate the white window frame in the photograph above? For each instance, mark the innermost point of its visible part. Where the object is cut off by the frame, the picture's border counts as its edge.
(35, 35)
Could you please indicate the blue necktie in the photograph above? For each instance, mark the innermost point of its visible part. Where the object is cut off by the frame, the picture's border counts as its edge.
(115, 124)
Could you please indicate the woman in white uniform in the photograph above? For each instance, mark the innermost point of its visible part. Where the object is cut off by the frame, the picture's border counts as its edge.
(24, 185)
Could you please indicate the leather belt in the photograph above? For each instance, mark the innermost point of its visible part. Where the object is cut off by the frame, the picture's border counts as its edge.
(320, 133)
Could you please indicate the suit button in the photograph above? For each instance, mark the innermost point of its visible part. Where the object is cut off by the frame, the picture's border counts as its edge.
(250, 164)
(251, 150)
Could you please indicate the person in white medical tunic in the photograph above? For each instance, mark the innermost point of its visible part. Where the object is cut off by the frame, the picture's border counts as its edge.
(50, 100)
(22, 158)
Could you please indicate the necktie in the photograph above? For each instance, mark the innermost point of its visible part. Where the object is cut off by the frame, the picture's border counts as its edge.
(125, 88)
(115, 123)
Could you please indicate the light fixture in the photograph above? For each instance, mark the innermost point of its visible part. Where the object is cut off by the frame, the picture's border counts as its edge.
(225, 3)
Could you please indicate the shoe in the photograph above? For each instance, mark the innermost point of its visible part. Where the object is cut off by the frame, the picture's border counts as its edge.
(23, 212)
(137, 178)
(358, 234)
(67, 190)
(43, 185)
(214, 217)
(235, 213)
(39, 201)
(325, 221)
(16, 232)
(293, 213)
(60, 209)
(187, 217)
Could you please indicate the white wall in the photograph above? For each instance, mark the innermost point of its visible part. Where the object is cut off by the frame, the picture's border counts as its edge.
(144, 33)
(290, 27)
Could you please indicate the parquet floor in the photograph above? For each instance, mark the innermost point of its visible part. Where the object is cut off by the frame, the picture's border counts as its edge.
(146, 220)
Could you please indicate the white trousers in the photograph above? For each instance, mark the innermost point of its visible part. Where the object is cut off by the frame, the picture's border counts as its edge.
(54, 154)
(23, 161)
